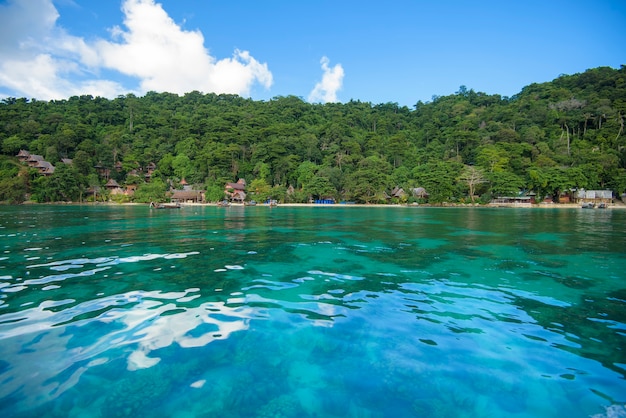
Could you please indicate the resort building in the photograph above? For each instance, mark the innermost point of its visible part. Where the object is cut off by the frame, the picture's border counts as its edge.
(113, 187)
(36, 161)
(188, 196)
(594, 196)
(236, 191)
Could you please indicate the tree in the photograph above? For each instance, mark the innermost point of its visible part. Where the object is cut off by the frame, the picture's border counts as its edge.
(82, 163)
(63, 185)
(13, 181)
(548, 182)
(538, 181)
(438, 179)
(619, 181)
(262, 171)
(472, 177)
(397, 146)
(305, 173)
(576, 178)
(67, 183)
(41, 190)
(400, 176)
(181, 164)
(573, 122)
(370, 180)
(155, 191)
(260, 189)
(505, 183)
(13, 144)
(12, 189)
(493, 158)
(320, 187)
(214, 193)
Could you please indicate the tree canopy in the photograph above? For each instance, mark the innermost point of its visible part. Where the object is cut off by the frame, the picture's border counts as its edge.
(550, 137)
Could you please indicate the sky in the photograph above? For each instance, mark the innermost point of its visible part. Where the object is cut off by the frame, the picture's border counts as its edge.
(396, 51)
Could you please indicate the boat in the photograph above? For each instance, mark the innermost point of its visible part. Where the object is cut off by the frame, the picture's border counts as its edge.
(223, 203)
(250, 203)
(603, 206)
(588, 205)
(164, 205)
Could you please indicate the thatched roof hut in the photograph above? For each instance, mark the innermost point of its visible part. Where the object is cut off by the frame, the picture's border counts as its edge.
(193, 196)
(419, 192)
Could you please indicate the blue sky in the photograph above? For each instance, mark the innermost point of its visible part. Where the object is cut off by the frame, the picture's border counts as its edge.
(323, 51)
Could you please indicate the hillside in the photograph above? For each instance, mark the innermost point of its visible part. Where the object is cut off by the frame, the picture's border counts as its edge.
(549, 138)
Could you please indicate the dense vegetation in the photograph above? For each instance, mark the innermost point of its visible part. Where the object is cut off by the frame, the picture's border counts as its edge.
(549, 138)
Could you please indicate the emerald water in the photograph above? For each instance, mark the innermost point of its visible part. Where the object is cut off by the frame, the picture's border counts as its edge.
(110, 311)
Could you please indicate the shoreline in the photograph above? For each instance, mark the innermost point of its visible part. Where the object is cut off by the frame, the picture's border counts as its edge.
(382, 205)
(612, 206)
(620, 206)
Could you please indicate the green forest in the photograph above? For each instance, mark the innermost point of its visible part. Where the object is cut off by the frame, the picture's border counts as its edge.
(548, 140)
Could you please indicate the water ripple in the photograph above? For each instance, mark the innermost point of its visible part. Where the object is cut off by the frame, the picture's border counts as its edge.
(307, 315)
(144, 322)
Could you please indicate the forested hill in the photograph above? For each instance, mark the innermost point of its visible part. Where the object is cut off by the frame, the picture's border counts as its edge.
(549, 138)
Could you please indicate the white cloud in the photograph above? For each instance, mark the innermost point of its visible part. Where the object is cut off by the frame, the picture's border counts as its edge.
(165, 57)
(45, 77)
(326, 90)
(39, 59)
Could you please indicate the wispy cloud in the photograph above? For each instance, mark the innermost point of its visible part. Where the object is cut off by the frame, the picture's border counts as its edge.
(326, 90)
(39, 59)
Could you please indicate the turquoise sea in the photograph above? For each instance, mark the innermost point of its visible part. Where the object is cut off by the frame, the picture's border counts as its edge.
(123, 311)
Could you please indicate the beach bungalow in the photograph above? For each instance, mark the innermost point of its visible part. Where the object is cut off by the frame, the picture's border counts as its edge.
(187, 196)
(150, 168)
(133, 173)
(513, 200)
(130, 189)
(33, 160)
(23, 155)
(95, 192)
(113, 187)
(419, 192)
(236, 191)
(594, 196)
(102, 170)
(398, 193)
(36, 161)
(45, 168)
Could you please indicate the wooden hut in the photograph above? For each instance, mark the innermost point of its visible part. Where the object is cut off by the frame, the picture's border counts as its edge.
(236, 191)
(188, 196)
(113, 187)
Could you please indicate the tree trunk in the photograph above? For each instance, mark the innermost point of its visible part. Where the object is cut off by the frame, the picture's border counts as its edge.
(567, 134)
(621, 125)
